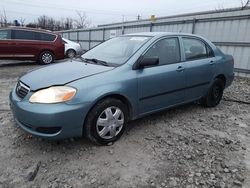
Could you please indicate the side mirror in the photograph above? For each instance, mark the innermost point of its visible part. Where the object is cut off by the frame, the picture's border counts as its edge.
(145, 62)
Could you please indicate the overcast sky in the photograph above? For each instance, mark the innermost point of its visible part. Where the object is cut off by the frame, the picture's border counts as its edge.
(107, 11)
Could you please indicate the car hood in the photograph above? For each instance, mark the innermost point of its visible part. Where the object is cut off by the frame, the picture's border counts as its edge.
(60, 74)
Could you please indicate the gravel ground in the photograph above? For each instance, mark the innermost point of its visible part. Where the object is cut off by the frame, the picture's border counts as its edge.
(189, 146)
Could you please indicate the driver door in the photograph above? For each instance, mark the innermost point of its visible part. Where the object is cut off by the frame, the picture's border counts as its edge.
(163, 85)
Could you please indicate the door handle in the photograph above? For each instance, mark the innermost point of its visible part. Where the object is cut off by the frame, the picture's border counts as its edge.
(211, 62)
(180, 69)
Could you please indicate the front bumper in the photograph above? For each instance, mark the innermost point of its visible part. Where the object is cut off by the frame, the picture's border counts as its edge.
(50, 121)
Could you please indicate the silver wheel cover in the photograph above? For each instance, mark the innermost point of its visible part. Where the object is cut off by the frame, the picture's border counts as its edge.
(47, 58)
(110, 122)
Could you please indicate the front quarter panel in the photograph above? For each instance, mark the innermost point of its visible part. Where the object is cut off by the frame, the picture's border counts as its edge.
(120, 81)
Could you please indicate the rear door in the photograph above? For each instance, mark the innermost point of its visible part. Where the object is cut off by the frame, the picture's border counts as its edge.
(26, 43)
(200, 66)
(6, 49)
(163, 85)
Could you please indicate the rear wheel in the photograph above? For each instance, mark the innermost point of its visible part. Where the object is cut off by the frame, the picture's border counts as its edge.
(214, 94)
(46, 57)
(106, 122)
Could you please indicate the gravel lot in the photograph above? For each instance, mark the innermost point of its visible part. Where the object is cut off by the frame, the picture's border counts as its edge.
(189, 146)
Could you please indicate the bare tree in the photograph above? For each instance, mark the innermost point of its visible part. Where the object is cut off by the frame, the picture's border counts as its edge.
(247, 4)
(32, 25)
(220, 7)
(244, 4)
(3, 19)
(22, 21)
(68, 23)
(46, 22)
(49, 23)
(82, 22)
(42, 21)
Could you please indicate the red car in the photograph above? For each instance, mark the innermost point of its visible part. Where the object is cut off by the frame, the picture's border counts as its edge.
(31, 44)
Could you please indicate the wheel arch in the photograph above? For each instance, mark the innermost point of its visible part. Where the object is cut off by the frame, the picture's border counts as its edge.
(118, 96)
(70, 49)
(222, 77)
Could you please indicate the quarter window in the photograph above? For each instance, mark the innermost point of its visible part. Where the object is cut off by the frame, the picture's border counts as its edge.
(5, 34)
(47, 37)
(196, 49)
(167, 50)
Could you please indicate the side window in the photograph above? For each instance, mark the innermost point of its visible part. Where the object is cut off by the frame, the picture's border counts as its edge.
(47, 37)
(196, 49)
(168, 51)
(5, 34)
(24, 35)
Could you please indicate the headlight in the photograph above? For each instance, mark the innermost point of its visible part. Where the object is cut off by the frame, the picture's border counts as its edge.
(55, 94)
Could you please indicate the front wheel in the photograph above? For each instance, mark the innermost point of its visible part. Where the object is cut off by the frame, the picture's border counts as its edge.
(214, 94)
(106, 122)
(46, 57)
(71, 53)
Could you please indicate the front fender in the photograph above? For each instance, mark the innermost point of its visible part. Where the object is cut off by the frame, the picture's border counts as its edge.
(92, 89)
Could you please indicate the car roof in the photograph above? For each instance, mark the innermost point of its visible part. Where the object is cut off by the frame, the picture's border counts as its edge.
(29, 29)
(160, 34)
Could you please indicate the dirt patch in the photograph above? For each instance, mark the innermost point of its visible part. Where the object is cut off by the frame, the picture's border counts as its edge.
(189, 146)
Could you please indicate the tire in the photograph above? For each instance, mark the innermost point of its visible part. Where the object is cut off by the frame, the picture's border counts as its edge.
(214, 94)
(46, 57)
(71, 53)
(101, 127)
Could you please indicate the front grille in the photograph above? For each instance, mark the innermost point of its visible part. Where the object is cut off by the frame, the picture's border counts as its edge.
(22, 90)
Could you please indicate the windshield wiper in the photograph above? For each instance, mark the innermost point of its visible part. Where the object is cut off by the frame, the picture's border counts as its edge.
(96, 61)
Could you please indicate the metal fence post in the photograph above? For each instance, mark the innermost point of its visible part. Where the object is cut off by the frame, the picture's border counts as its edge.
(151, 27)
(123, 28)
(77, 36)
(103, 34)
(193, 26)
(89, 39)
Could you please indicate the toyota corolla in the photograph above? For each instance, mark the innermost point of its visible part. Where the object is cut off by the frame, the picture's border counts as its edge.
(122, 79)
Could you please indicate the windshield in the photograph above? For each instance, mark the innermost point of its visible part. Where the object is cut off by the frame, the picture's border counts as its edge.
(116, 50)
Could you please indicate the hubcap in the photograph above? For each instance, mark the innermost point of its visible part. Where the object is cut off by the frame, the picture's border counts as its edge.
(110, 123)
(47, 58)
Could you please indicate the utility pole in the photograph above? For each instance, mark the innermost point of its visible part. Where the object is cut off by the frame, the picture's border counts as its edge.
(138, 17)
(123, 20)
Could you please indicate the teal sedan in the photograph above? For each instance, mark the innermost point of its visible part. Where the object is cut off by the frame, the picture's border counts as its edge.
(122, 79)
